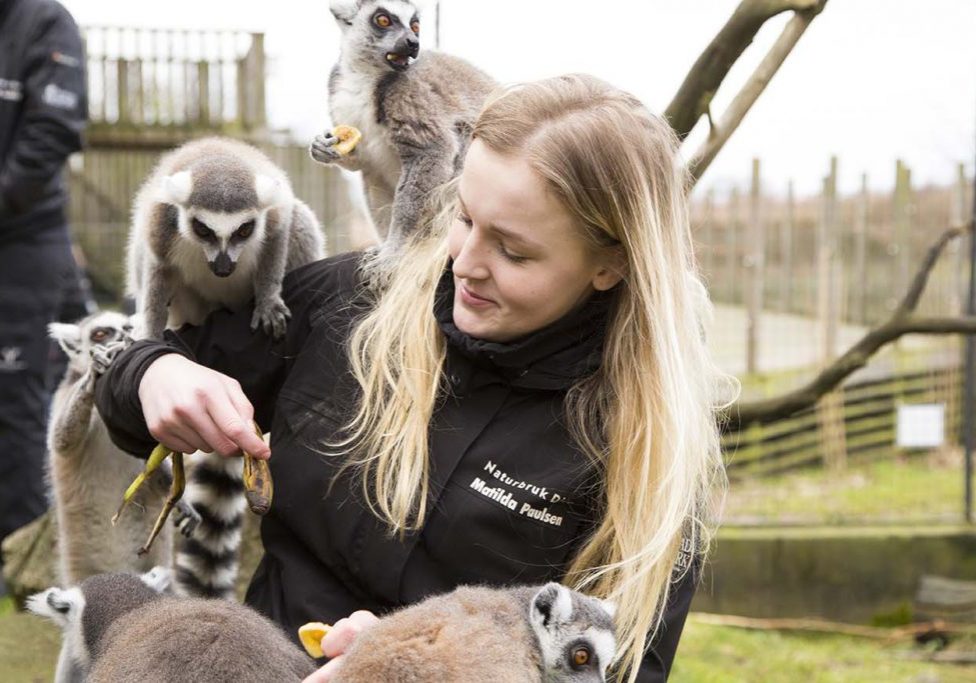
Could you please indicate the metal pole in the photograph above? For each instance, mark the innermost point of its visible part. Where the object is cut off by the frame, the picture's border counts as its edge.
(437, 26)
(970, 391)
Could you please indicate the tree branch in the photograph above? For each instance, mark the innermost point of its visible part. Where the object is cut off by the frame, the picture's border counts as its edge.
(750, 92)
(900, 323)
(710, 69)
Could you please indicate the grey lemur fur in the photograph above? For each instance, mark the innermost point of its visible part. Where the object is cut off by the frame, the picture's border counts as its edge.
(215, 225)
(415, 110)
(488, 635)
(121, 627)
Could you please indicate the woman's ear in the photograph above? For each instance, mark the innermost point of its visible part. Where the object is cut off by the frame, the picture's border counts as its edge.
(613, 268)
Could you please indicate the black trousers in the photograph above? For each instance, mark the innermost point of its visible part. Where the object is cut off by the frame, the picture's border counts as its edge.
(38, 285)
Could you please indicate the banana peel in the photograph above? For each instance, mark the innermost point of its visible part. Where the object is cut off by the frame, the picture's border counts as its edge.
(311, 635)
(348, 137)
(258, 486)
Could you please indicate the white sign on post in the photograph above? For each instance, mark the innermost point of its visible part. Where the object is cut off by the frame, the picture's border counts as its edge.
(921, 425)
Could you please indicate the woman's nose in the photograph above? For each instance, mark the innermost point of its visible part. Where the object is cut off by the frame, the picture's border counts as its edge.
(470, 262)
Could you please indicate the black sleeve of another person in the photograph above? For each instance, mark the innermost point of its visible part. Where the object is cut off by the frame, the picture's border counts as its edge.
(55, 112)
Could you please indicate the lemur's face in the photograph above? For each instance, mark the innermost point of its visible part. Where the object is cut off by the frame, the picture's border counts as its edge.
(223, 237)
(98, 329)
(222, 212)
(384, 34)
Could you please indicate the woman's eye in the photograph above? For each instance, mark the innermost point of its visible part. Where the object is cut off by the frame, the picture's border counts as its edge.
(464, 219)
(514, 258)
(382, 20)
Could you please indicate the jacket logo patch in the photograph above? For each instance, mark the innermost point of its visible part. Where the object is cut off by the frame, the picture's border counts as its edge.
(12, 91)
(503, 496)
(66, 60)
(60, 98)
(10, 359)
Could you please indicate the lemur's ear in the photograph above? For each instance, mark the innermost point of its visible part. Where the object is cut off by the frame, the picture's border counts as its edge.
(67, 336)
(56, 604)
(158, 578)
(344, 11)
(552, 604)
(269, 191)
(177, 188)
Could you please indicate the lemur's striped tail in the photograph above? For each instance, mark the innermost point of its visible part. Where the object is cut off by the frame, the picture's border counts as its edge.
(207, 562)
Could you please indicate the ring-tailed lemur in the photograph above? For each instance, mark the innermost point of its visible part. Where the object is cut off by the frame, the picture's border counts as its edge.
(121, 627)
(215, 225)
(546, 634)
(87, 471)
(414, 109)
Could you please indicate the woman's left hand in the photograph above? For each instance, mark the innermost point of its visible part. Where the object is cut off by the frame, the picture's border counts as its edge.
(337, 641)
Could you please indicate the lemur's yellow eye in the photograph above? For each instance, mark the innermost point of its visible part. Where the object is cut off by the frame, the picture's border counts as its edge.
(581, 656)
(382, 20)
(415, 27)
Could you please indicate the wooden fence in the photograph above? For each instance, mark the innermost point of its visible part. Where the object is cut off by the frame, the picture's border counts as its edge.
(159, 86)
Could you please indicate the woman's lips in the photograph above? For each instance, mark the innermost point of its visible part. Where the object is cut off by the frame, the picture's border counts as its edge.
(471, 299)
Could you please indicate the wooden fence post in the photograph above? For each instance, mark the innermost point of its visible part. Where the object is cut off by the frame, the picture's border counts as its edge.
(830, 411)
(860, 274)
(786, 250)
(755, 265)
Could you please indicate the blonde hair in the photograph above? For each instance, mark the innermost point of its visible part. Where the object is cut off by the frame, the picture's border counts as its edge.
(647, 417)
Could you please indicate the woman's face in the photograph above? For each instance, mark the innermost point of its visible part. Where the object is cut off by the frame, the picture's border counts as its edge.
(520, 261)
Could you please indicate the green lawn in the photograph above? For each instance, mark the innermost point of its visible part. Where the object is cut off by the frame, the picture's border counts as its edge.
(718, 654)
(921, 488)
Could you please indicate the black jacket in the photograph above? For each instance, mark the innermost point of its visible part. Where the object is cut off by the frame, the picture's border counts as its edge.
(511, 495)
(43, 109)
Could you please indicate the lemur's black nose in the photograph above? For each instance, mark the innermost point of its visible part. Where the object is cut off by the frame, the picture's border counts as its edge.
(413, 46)
(222, 266)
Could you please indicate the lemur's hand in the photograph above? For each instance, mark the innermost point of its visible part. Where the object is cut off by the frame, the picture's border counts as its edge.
(103, 354)
(272, 315)
(323, 148)
(337, 146)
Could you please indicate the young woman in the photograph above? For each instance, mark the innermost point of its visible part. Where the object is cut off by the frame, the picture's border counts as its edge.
(530, 398)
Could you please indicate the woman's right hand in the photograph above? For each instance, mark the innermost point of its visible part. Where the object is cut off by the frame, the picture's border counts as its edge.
(189, 407)
(337, 642)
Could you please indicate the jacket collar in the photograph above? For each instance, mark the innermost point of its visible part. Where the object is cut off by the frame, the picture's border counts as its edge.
(553, 357)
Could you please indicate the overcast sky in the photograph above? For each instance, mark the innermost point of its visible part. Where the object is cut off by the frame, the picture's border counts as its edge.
(870, 81)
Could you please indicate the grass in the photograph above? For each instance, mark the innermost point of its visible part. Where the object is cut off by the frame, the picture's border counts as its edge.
(925, 487)
(719, 654)
(29, 646)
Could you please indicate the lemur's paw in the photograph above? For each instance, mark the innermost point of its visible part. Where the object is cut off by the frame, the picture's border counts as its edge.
(272, 315)
(103, 355)
(186, 518)
(323, 148)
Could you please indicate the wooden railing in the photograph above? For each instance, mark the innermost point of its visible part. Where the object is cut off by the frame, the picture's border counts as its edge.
(861, 419)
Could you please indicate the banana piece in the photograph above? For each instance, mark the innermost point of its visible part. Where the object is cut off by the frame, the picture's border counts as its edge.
(348, 138)
(258, 487)
(311, 635)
